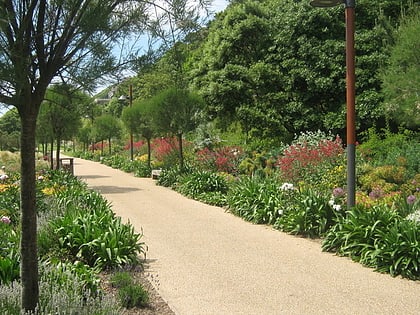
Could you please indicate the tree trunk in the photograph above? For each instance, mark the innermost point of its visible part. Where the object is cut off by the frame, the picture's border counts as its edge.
(52, 154)
(57, 153)
(149, 152)
(28, 244)
(181, 153)
(109, 143)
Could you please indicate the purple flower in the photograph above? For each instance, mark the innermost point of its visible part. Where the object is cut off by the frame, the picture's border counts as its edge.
(338, 192)
(5, 220)
(411, 199)
(376, 193)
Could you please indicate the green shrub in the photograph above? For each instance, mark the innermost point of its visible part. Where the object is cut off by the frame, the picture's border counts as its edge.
(9, 253)
(399, 252)
(62, 291)
(378, 238)
(310, 214)
(133, 295)
(256, 199)
(201, 182)
(98, 238)
(141, 169)
(357, 234)
(121, 279)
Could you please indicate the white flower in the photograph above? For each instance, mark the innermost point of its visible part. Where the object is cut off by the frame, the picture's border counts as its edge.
(40, 177)
(286, 186)
(3, 177)
(280, 211)
(336, 207)
(331, 202)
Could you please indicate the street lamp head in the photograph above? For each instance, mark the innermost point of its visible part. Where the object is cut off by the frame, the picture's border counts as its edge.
(326, 3)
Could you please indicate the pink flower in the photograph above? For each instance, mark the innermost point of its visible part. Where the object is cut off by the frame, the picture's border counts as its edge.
(411, 199)
(5, 220)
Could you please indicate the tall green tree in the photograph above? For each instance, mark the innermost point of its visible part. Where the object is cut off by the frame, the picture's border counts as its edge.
(401, 75)
(175, 111)
(138, 121)
(41, 40)
(107, 127)
(60, 112)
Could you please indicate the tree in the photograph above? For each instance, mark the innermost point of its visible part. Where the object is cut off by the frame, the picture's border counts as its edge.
(42, 40)
(10, 130)
(61, 115)
(177, 112)
(138, 121)
(401, 75)
(107, 127)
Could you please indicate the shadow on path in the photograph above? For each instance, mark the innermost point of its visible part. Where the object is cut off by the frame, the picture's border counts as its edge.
(92, 176)
(113, 189)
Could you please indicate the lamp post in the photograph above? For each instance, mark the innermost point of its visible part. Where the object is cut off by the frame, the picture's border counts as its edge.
(350, 92)
(130, 103)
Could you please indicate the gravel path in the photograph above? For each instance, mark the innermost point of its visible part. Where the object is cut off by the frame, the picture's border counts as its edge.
(204, 260)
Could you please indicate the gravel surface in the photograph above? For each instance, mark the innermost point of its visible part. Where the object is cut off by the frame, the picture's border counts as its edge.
(211, 262)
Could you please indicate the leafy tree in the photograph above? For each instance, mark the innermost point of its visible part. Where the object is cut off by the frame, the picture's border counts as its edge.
(41, 40)
(60, 113)
(10, 130)
(137, 121)
(107, 127)
(230, 71)
(401, 76)
(176, 112)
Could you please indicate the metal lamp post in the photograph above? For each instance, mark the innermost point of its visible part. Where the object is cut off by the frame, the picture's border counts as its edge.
(350, 92)
(130, 102)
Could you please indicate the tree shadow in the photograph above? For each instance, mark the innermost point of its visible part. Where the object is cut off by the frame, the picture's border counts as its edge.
(91, 176)
(106, 189)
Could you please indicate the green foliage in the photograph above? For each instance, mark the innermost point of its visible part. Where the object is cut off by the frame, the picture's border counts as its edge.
(205, 186)
(98, 238)
(256, 199)
(310, 214)
(9, 254)
(387, 148)
(378, 238)
(401, 74)
(64, 289)
(121, 279)
(130, 294)
(133, 295)
(200, 182)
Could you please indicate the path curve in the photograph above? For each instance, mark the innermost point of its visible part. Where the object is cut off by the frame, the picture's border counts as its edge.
(211, 262)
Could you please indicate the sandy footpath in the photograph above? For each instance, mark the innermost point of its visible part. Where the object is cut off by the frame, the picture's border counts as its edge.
(207, 261)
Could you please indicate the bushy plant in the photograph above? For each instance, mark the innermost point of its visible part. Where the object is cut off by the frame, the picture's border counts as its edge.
(310, 214)
(309, 157)
(130, 294)
(387, 148)
(9, 251)
(222, 159)
(62, 291)
(204, 186)
(98, 238)
(141, 169)
(379, 238)
(200, 182)
(257, 199)
(133, 295)
(121, 279)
